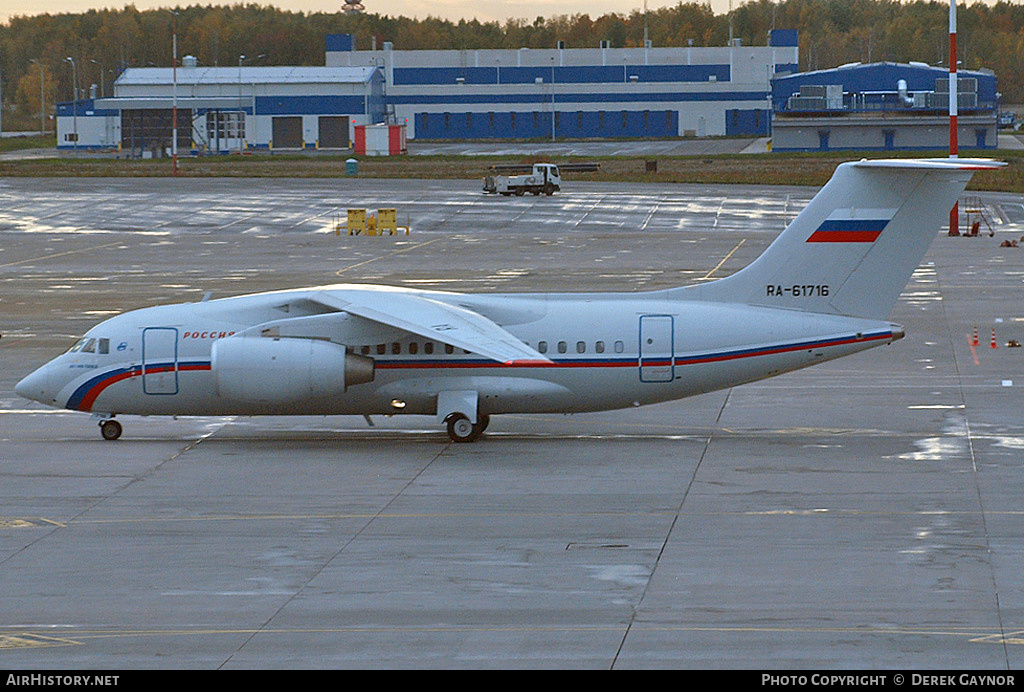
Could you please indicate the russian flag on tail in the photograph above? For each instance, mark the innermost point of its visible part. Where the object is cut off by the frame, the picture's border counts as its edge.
(852, 226)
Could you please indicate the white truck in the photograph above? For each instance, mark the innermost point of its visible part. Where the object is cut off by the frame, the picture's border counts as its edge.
(543, 178)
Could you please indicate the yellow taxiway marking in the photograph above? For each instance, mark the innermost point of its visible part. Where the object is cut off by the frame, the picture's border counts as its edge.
(62, 254)
(820, 512)
(25, 640)
(724, 260)
(26, 523)
(389, 254)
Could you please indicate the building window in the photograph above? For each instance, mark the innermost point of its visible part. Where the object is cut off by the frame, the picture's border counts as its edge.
(222, 125)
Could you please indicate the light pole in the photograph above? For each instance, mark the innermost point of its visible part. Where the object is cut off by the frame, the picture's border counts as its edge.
(103, 89)
(238, 120)
(42, 98)
(552, 98)
(74, 100)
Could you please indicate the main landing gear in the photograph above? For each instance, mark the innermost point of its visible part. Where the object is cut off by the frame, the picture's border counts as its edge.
(460, 429)
(110, 429)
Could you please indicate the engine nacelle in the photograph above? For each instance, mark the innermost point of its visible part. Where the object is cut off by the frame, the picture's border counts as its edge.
(282, 370)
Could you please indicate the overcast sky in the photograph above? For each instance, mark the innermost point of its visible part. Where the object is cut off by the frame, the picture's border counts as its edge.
(449, 9)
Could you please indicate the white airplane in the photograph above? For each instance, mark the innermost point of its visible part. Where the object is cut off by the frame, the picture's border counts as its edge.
(822, 290)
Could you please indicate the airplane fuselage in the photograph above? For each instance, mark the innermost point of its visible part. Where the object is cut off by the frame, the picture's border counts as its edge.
(606, 351)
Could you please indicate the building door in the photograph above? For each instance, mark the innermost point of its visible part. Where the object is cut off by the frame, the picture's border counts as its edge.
(657, 357)
(333, 132)
(287, 132)
(149, 131)
(160, 360)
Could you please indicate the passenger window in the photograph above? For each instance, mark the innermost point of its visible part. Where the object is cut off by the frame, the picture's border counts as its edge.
(414, 348)
(619, 347)
(449, 349)
(396, 348)
(542, 347)
(428, 347)
(562, 347)
(365, 350)
(382, 349)
(581, 347)
(599, 347)
(104, 346)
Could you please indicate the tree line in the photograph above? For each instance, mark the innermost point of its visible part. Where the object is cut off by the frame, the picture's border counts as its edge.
(34, 50)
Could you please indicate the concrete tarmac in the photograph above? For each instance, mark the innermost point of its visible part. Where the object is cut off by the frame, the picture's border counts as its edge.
(865, 513)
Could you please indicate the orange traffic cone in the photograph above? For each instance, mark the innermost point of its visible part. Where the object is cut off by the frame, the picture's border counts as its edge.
(993, 344)
(974, 339)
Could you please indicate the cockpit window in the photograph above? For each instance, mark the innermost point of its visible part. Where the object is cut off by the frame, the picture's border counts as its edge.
(91, 345)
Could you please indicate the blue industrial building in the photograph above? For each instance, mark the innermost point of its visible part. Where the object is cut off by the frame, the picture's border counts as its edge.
(882, 107)
(599, 92)
(226, 109)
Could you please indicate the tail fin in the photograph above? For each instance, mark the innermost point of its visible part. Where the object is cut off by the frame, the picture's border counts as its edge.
(852, 250)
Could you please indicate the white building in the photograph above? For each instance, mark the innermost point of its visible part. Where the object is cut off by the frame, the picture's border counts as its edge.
(594, 92)
(225, 109)
(474, 94)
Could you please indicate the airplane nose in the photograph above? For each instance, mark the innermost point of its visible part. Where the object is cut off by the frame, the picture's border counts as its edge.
(36, 386)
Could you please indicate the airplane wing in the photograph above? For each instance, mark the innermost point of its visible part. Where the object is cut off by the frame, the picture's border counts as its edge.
(433, 319)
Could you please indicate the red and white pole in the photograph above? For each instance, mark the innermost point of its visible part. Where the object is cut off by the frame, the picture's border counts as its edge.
(174, 97)
(954, 214)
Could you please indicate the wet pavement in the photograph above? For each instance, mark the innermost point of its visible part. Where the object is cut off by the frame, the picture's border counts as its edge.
(861, 514)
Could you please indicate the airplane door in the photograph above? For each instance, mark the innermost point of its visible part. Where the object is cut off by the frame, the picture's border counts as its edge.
(657, 357)
(160, 360)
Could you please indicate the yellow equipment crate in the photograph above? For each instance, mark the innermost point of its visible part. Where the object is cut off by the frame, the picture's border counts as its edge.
(361, 223)
(387, 221)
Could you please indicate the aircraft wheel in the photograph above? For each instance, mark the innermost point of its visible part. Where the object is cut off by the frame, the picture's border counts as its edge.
(110, 429)
(461, 430)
